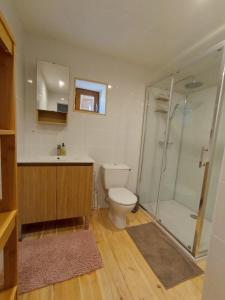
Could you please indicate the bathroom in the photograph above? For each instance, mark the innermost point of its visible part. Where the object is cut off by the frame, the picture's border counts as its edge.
(158, 132)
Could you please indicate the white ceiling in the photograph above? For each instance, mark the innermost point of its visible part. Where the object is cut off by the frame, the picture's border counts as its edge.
(148, 32)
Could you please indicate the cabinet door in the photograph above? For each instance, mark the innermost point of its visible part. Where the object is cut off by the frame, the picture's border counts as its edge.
(74, 191)
(37, 193)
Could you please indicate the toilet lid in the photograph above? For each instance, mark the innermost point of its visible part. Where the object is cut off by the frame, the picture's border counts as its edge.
(122, 196)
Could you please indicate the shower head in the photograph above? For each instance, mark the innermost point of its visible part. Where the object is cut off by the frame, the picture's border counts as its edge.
(193, 84)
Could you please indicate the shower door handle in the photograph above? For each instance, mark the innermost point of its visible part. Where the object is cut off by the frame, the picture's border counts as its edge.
(203, 150)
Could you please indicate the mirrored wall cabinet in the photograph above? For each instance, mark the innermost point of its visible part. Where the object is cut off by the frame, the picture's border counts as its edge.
(52, 93)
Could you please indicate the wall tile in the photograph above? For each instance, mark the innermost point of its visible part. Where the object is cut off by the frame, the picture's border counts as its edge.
(111, 138)
(215, 274)
(219, 222)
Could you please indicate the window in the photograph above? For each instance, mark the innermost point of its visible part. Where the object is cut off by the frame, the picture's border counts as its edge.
(88, 103)
(87, 100)
(90, 96)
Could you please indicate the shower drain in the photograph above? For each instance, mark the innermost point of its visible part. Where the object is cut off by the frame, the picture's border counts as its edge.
(193, 216)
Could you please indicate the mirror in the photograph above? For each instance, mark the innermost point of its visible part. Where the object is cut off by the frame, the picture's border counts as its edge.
(52, 87)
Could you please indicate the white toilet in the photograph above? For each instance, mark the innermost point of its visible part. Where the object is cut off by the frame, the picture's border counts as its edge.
(121, 200)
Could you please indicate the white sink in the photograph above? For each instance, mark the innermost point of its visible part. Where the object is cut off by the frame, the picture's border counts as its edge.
(57, 159)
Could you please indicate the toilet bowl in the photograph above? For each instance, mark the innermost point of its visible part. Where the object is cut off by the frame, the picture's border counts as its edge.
(121, 202)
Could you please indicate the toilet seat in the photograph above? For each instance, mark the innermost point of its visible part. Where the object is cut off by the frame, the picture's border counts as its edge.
(122, 196)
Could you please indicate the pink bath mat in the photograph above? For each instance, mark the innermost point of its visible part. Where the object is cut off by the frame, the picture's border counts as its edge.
(57, 258)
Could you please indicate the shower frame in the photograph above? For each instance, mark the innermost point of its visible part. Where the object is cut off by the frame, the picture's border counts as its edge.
(212, 144)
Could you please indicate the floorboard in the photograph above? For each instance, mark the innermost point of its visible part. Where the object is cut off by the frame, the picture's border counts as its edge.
(125, 276)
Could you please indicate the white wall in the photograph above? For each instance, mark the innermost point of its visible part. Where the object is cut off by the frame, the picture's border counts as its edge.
(111, 138)
(215, 274)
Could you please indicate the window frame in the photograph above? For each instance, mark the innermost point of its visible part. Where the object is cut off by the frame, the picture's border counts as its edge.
(88, 111)
(80, 92)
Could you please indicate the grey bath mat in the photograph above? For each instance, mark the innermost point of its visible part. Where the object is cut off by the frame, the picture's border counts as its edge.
(165, 258)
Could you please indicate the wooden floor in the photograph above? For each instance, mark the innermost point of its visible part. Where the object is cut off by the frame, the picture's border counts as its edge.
(125, 275)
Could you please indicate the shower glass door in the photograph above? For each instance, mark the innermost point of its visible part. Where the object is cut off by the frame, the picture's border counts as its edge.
(155, 124)
(186, 150)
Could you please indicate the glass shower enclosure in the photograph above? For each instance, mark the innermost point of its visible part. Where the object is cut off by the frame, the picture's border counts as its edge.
(182, 149)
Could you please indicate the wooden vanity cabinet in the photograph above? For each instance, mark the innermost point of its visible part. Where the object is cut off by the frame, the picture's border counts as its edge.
(74, 191)
(54, 192)
(37, 193)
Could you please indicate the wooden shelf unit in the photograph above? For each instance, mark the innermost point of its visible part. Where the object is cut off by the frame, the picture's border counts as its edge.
(7, 224)
(7, 132)
(9, 294)
(8, 201)
(51, 117)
